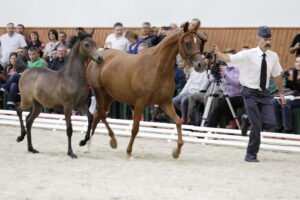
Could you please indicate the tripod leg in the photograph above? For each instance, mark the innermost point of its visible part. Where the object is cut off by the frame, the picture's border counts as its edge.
(232, 111)
(206, 110)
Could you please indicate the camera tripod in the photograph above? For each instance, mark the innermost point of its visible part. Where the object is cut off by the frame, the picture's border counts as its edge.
(212, 95)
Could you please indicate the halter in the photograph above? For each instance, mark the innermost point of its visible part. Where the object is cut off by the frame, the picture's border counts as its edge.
(198, 52)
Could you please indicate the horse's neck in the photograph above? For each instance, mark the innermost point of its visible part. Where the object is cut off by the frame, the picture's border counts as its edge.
(167, 51)
(75, 65)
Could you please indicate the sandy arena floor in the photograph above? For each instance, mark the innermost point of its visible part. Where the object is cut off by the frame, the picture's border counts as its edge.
(202, 172)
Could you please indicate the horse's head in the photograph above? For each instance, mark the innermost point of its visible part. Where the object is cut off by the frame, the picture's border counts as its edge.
(189, 45)
(88, 46)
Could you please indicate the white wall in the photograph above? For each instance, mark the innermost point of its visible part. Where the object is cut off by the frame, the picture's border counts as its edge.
(104, 13)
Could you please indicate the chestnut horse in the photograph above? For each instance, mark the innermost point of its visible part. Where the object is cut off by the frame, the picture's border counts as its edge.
(64, 89)
(142, 80)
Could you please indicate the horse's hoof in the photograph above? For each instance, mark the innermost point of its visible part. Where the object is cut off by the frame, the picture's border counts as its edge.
(72, 155)
(113, 143)
(20, 139)
(82, 143)
(32, 150)
(175, 153)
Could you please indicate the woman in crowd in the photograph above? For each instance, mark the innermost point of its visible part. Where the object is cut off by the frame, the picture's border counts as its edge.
(34, 41)
(134, 40)
(50, 46)
(284, 114)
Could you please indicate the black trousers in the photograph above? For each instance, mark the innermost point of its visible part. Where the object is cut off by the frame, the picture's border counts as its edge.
(261, 115)
(223, 109)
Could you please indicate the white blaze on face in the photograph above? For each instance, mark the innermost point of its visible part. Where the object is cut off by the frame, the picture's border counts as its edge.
(195, 40)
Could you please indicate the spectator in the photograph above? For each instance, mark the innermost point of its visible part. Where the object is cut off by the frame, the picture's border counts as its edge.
(147, 35)
(193, 85)
(142, 47)
(11, 84)
(233, 88)
(34, 58)
(62, 40)
(34, 41)
(50, 46)
(295, 46)
(60, 60)
(284, 114)
(134, 42)
(20, 29)
(10, 41)
(21, 51)
(182, 64)
(117, 40)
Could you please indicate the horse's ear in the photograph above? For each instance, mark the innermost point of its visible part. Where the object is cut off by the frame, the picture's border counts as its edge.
(194, 26)
(186, 26)
(92, 33)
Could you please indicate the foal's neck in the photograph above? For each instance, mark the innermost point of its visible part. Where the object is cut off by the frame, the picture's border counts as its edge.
(75, 65)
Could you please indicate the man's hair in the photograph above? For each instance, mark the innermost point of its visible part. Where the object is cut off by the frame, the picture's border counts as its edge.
(146, 23)
(10, 23)
(118, 24)
(21, 25)
(62, 32)
(34, 49)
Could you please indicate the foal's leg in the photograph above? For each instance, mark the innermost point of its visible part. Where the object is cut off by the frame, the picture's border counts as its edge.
(67, 112)
(170, 111)
(23, 130)
(138, 109)
(36, 110)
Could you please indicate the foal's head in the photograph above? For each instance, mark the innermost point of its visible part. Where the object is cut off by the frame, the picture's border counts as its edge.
(189, 45)
(87, 46)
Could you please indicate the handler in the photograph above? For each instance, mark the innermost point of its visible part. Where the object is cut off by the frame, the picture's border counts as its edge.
(256, 66)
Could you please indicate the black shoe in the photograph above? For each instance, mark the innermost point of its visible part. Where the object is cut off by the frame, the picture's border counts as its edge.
(250, 159)
(279, 129)
(11, 107)
(244, 124)
(287, 130)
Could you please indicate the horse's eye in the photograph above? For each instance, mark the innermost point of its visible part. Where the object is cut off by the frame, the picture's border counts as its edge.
(188, 44)
(87, 45)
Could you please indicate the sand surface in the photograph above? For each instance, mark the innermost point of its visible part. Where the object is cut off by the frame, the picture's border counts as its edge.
(201, 172)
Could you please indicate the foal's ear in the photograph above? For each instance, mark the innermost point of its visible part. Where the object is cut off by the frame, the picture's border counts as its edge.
(92, 33)
(186, 27)
(81, 34)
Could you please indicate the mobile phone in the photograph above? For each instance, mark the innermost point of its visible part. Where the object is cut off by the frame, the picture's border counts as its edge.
(166, 27)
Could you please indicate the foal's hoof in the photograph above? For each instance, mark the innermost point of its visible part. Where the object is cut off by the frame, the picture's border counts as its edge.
(175, 153)
(113, 143)
(32, 150)
(20, 139)
(82, 143)
(72, 155)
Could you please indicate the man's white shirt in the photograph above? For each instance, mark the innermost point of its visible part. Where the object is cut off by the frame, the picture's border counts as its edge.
(120, 43)
(249, 64)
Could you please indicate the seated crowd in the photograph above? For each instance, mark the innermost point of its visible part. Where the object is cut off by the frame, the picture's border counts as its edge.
(193, 87)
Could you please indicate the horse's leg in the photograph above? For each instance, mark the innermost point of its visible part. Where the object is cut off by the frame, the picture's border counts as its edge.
(23, 130)
(88, 132)
(138, 109)
(113, 142)
(67, 112)
(170, 111)
(36, 110)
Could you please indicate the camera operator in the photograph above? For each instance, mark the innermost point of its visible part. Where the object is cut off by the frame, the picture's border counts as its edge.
(284, 114)
(256, 66)
(230, 79)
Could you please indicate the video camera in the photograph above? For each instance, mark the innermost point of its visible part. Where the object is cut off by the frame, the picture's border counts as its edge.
(215, 69)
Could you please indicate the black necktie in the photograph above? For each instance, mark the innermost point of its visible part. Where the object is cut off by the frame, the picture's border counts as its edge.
(263, 73)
